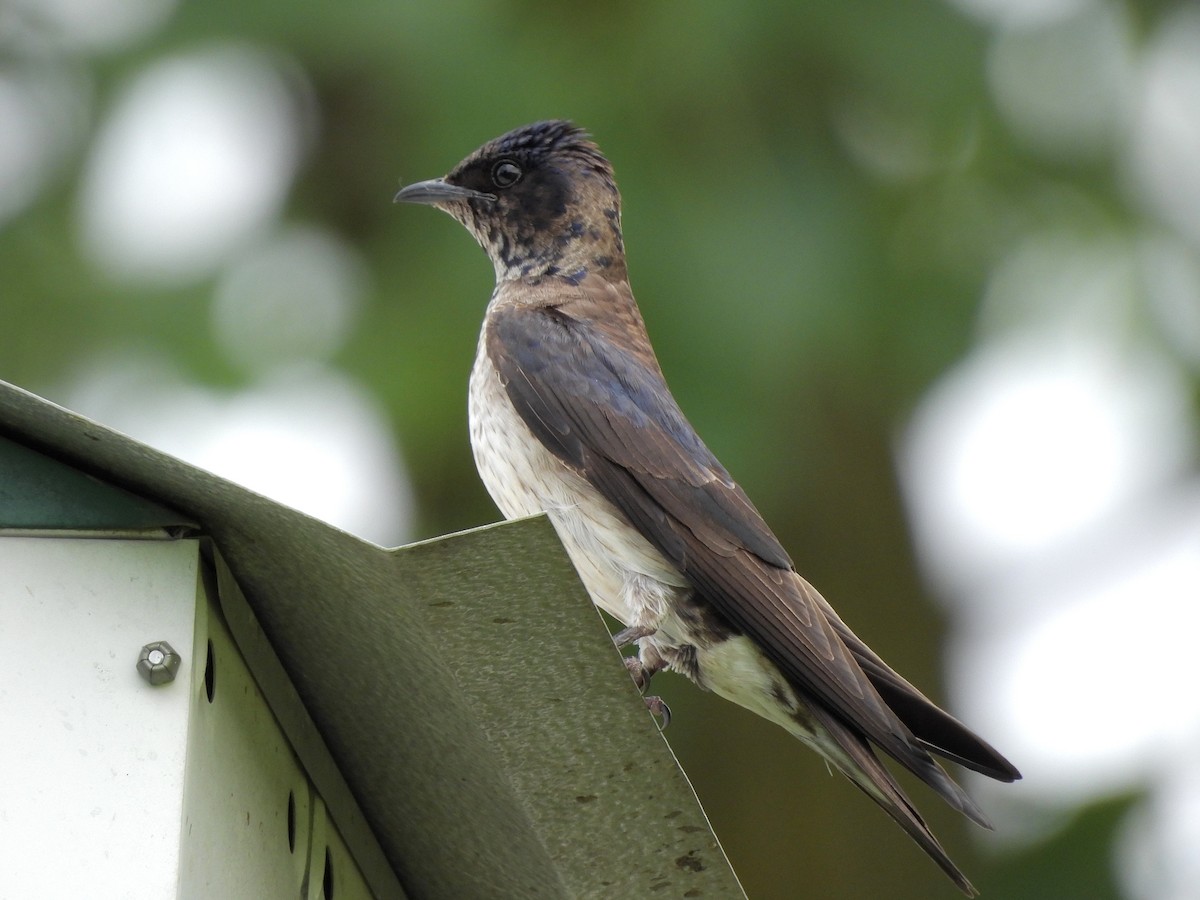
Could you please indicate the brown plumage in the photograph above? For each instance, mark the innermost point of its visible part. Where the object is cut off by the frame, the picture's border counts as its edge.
(570, 414)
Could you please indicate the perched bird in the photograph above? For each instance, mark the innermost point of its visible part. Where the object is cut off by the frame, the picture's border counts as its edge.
(570, 415)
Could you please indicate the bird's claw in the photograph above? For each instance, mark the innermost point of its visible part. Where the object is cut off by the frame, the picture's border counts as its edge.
(658, 707)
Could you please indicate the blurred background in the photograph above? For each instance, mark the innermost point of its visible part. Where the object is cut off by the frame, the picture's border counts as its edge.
(925, 274)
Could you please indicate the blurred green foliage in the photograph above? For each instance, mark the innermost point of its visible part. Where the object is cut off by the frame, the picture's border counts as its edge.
(800, 303)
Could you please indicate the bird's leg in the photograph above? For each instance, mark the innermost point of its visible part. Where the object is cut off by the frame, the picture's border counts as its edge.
(627, 636)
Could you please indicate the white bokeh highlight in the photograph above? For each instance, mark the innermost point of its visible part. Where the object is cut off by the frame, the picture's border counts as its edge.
(1064, 89)
(1158, 847)
(1016, 15)
(43, 111)
(87, 25)
(1163, 159)
(1031, 445)
(1092, 660)
(1169, 269)
(292, 296)
(1049, 484)
(194, 161)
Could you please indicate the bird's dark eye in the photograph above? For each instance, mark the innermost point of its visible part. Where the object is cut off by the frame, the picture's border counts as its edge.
(506, 173)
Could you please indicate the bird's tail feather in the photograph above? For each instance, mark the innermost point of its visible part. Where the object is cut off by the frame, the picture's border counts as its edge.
(858, 762)
(932, 726)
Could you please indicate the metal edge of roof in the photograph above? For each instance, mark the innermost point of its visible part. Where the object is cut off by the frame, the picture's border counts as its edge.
(478, 752)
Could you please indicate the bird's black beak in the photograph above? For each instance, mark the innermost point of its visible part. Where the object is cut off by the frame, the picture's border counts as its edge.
(437, 191)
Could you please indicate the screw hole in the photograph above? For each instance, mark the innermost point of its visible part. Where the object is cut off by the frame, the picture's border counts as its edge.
(291, 822)
(327, 880)
(210, 673)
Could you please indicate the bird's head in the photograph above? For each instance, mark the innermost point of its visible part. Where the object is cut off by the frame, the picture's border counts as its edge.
(541, 200)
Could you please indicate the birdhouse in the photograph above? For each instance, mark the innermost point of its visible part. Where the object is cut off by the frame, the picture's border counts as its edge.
(206, 694)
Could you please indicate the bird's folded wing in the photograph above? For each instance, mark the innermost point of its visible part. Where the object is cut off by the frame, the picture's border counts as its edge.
(608, 415)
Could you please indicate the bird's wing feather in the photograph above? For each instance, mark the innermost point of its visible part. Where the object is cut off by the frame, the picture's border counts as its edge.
(606, 412)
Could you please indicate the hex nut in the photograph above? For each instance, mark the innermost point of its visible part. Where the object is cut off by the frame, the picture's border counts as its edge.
(158, 663)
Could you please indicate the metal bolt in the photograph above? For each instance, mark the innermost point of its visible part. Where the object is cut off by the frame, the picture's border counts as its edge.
(158, 662)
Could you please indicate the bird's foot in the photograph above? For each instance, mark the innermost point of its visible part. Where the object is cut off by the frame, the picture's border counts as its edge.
(659, 708)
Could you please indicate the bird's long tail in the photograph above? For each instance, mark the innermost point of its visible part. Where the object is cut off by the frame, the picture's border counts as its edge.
(858, 762)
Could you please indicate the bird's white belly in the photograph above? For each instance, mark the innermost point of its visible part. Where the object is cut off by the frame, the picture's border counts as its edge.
(625, 576)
